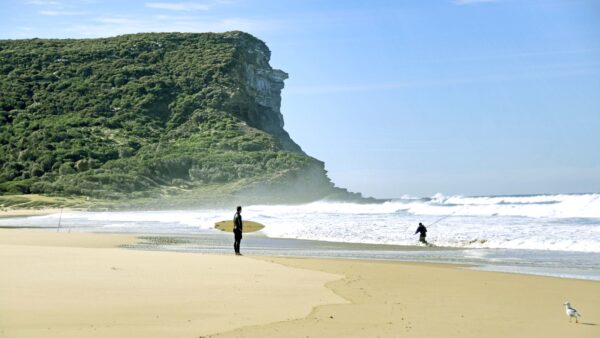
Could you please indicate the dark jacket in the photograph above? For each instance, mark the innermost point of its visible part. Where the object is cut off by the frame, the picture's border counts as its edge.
(238, 225)
(422, 229)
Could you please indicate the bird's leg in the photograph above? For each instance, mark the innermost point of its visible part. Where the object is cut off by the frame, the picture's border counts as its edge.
(576, 320)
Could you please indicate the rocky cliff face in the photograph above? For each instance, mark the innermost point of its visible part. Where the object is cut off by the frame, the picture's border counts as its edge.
(261, 90)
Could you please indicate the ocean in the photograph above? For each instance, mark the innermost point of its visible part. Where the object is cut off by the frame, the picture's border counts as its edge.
(555, 235)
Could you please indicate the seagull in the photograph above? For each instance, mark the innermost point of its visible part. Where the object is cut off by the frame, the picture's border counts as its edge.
(571, 312)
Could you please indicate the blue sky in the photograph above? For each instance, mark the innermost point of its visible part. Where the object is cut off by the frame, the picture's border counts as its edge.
(471, 97)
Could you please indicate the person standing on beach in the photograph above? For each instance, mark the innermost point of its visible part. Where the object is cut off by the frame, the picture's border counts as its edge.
(423, 233)
(238, 226)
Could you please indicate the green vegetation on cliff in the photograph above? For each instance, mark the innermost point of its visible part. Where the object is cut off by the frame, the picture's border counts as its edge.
(146, 116)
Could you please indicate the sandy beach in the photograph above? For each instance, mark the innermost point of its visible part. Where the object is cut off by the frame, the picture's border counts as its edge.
(9, 212)
(390, 299)
(83, 285)
(51, 286)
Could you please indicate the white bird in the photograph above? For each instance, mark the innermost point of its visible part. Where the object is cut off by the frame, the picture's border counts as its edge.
(571, 312)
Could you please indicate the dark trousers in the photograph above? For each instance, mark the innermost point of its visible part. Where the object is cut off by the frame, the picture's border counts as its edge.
(237, 235)
(422, 239)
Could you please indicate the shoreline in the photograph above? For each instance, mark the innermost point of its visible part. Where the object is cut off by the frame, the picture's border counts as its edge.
(499, 260)
(527, 262)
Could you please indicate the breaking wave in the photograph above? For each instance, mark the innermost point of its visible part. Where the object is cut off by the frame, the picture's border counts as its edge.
(538, 222)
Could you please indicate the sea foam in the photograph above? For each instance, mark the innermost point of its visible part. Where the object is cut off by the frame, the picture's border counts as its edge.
(539, 222)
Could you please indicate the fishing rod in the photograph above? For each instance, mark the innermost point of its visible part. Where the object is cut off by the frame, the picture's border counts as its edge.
(446, 216)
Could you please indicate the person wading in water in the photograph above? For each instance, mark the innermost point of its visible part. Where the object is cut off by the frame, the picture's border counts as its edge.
(423, 233)
(238, 226)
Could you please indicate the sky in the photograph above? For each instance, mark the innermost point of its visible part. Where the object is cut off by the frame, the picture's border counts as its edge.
(402, 98)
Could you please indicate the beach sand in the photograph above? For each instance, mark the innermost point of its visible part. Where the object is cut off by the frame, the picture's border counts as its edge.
(9, 212)
(50, 286)
(391, 299)
(79, 285)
